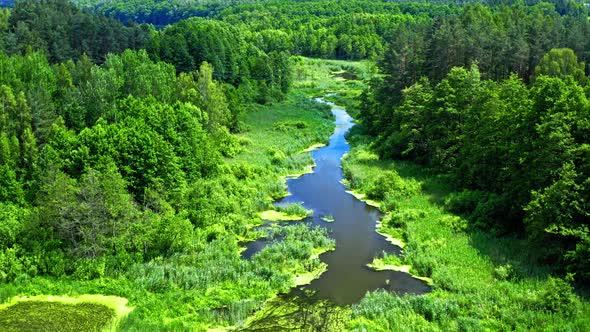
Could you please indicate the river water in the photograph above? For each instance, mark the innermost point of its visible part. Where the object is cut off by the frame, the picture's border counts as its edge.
(348, 278)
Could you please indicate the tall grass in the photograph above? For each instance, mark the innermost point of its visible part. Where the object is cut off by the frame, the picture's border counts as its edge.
(294, 209)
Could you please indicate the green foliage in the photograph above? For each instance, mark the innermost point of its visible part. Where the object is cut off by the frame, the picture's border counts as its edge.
(391, 185)
(520, 150)
(63, 31)
(13, 220)
(482, 209)
(558, 297)
(156, 12)
(402, 313)
(511, 38)
(113, 181)
(295, 209)
(113, 178)
(256, 75)
(561, 63)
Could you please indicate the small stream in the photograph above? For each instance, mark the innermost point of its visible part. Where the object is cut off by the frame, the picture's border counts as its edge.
(348, 278)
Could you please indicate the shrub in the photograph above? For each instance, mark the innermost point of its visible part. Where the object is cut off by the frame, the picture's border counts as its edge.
(87, 269)
(277, 157)
(484, 210)
(10, 265)
(464, 202)
(288, 125)
(400, 218)
(423, 265)
(503, 272)
(295, 209)
(391, 183)
(243, 171)
(456, 223)
(557, 296)
(434, 309)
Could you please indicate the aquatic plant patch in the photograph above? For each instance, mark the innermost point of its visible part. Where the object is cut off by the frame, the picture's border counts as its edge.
(49, 313)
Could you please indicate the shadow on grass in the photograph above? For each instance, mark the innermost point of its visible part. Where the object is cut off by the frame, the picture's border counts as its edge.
(303, 311)
(511, 255)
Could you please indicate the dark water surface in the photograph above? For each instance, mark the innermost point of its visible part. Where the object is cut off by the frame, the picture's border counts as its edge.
(348, 278)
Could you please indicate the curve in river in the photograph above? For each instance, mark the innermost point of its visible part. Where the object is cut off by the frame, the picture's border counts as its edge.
(348, 278)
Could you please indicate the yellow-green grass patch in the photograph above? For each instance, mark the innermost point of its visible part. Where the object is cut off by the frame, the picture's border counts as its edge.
(379, 264)
(274, 215)
(62, 313)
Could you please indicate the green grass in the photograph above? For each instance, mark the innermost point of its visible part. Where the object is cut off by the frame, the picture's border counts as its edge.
(289, 212)
(328, 218)
(295, 209)
(320, 77)
(278, 134)
(480, 282)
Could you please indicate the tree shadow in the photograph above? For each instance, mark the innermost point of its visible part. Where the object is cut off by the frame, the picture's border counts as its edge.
(300, 310)
(509, 251)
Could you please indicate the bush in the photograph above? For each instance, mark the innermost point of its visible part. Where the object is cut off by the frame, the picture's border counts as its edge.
(11, 223)
(456, 223)
(87, 269)
(399, 218)
(277, 157)
(243, 171)
(288, 125)
(10, 265)
(503, 272)
(391, 183)
(557, 296)
(390, 203)
(295, 209)
(434, 309)
(464, 202)
(423, 265)
(484, 210)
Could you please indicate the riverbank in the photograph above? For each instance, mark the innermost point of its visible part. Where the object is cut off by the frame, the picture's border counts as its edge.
(480, 282)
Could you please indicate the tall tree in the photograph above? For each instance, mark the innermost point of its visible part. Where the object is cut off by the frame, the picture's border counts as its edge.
(560, 63)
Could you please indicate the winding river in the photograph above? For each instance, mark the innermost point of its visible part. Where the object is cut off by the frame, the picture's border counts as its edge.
(348, 278)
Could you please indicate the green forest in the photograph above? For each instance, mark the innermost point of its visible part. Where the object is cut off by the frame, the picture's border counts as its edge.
(143, 144)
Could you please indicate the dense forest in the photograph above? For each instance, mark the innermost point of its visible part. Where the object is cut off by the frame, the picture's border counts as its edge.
(510, 127)
(126, 167)
(76, 127)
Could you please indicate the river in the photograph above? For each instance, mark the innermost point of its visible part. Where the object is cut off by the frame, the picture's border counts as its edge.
(348, 278)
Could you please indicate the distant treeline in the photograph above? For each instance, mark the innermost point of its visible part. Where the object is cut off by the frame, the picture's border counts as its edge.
(63, 31)
(356, 29)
